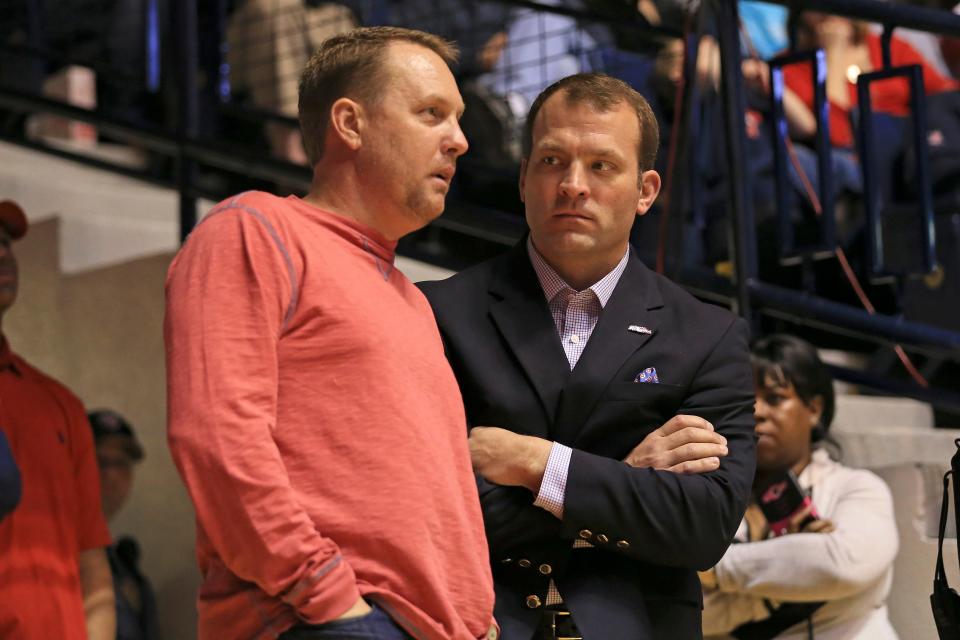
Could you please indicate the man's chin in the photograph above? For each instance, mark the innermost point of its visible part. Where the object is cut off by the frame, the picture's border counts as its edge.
(564, 241)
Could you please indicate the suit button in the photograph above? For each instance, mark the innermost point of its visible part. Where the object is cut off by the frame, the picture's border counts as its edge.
(533, 602)
(623, 544)
(506, 561)
(586, 534)
(546, 569)
(602, 539)
(524, 563)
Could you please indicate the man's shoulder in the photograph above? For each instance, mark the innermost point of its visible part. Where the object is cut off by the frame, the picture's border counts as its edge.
(685, 304)
(462, 286)
(261, 206)
(34, 375)
(260, 219)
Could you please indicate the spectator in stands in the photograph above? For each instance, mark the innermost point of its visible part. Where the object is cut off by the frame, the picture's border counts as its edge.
(830, 577)
(268, 43)
(950, 49)
(542, 47)
(312, 413)
(850, 50)
(478, 27)
(10, 488)
(118, 450)
(54, 571)
(40, 36)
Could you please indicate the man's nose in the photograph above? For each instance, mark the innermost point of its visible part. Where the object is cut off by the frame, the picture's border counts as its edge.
(574, 183)
(457, 145)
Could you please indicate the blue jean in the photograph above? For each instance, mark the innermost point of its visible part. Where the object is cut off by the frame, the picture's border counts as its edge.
(376, 625)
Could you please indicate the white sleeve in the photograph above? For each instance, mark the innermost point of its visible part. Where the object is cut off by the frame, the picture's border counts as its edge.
(806, 567)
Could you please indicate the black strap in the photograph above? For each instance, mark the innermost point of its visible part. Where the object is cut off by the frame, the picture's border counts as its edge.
(782, 618)
(944, 601)
(955, 468)
(940, 575)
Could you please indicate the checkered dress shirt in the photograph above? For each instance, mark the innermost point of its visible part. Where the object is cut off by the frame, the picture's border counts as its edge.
(575, 313)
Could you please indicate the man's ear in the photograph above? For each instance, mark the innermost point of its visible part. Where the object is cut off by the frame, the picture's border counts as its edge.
(649, 190)
(523, 176)
(347, 122)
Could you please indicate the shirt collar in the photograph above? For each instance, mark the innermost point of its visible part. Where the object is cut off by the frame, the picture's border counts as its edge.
(552, 283)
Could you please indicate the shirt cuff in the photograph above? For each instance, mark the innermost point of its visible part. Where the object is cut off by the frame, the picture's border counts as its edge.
(553, 487)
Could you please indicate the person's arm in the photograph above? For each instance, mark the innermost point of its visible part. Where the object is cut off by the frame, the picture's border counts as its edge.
(801, 122)
(724, 612)
(668, 518)
(809, 567)
(684, 444)
(229, 293)
(99, 605)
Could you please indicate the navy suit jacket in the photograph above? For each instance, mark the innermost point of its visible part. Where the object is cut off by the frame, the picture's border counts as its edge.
(650, 530)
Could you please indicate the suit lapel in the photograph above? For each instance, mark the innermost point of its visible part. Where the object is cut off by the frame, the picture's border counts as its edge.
(520, 312)
(609, 347)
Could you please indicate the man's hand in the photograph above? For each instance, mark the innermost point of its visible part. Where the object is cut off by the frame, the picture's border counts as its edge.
(96, 584)
(708, 579)
(756, 75)
(508, 458)
(685, 444)
(359, 608)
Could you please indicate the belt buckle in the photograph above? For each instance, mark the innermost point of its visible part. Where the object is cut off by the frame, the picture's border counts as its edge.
(553, 625)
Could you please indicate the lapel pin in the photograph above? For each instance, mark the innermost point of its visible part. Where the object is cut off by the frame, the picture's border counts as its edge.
(639, 328)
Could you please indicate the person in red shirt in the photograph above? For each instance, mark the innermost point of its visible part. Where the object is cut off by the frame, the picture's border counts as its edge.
(54, 576)
(851, 50)
(311, 410)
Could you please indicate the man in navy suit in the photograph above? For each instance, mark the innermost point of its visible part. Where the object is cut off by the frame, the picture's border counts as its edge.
(611, 413)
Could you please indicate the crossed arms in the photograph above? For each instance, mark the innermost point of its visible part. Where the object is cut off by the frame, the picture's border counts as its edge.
(679, 495)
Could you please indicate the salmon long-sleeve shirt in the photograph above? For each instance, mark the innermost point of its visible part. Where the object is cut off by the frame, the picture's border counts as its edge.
(318, 428)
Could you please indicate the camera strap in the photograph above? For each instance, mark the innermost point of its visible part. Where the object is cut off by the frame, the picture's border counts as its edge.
(945, 601)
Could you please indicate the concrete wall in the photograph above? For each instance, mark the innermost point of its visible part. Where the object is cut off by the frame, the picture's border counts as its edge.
(100, 334)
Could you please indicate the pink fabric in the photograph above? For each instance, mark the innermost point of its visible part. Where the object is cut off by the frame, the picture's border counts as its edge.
(319, 429)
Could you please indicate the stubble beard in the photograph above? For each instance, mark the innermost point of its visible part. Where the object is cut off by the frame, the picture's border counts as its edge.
(421, 206)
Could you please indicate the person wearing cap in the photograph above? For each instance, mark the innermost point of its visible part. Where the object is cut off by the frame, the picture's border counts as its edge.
(54, 571)
(118, 450)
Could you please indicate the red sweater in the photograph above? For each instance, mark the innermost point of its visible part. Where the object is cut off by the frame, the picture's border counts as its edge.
(888, 96)
(319, 429)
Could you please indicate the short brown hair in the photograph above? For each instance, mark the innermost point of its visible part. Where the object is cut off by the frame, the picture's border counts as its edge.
(602, 92)
(351, 65)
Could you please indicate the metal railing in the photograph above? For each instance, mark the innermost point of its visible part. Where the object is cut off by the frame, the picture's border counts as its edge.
(184, 138)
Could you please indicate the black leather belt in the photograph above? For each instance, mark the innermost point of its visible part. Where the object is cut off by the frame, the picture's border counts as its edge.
(558, 624)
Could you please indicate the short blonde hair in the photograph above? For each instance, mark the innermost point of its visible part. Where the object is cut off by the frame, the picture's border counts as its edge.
(351, 65)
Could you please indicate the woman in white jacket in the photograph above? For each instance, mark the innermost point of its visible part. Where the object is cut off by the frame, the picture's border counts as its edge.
(827, 579)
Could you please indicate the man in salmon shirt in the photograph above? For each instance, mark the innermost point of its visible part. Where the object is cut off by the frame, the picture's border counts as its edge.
(54, 575)
(312, 413)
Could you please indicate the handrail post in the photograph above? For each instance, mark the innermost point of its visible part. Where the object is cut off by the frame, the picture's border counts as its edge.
(743, 231)
(187, 123)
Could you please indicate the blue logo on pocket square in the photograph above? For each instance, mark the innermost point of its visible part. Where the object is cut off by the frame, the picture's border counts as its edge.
(647, 375)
